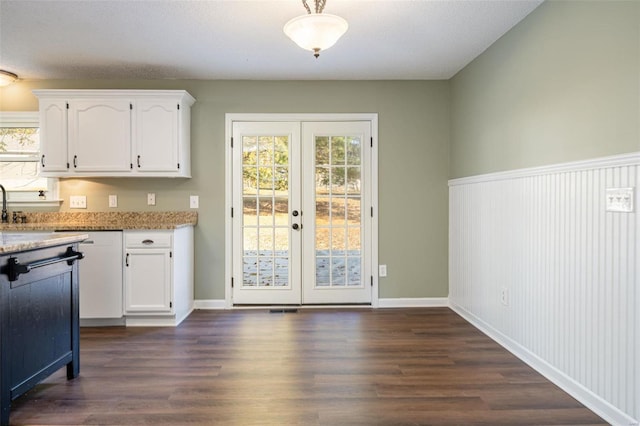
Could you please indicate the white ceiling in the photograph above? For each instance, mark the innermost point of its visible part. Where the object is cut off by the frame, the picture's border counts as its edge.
(224, 39)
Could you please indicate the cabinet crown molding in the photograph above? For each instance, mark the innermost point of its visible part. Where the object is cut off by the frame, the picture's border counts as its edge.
(181, 95)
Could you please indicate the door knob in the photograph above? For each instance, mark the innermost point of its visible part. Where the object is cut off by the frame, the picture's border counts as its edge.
(295, 213)
(295, 226)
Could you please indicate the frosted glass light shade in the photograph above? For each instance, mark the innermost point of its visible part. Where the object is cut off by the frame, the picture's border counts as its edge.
(316, 31)
(6, 78)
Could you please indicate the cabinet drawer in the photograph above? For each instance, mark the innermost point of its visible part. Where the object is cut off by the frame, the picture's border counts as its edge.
(147, 239)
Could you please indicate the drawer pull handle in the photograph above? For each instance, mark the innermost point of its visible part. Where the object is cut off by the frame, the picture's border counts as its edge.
(147, 241)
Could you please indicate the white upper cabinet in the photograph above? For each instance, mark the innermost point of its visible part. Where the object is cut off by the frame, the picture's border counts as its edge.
(157, 136)
(143, 133)
(100, 135)
(53, 123)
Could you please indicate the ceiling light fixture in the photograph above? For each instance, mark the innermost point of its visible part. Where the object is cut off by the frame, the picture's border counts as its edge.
(316, 31)
(6, 78)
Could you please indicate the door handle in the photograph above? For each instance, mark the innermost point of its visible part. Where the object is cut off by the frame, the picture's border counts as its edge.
(295, 213)
(296, 226)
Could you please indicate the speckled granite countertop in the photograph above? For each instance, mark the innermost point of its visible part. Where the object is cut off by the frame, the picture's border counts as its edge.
(16, 242)
(101, 221)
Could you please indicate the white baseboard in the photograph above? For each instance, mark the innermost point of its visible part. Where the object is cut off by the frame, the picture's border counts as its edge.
(405, 302)
(155, 320)
(209, 304)
(414, 302)
(592, 401)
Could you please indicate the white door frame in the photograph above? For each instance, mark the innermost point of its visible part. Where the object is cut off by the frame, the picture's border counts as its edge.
(231, 117)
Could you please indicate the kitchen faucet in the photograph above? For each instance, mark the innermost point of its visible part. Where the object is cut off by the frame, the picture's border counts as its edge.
(5, 215)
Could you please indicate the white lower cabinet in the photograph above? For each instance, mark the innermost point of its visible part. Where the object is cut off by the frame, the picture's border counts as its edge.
(101, 276)
(158, 276)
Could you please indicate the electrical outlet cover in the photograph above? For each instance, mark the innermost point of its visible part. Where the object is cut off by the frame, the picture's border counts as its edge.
(151, 199)
(113, 201)
(194, 201)
(78, 202)
(382, 270)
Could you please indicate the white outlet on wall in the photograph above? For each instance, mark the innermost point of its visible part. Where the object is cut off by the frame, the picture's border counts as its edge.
(382, 270)
(194, 201)
(151, 199)
(504, 296)
(113, 201)
(78, 202)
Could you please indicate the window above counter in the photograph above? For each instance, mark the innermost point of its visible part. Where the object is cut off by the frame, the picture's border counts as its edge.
(20, 162)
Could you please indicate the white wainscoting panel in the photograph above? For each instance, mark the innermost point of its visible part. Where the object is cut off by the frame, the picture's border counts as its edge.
(537, 260)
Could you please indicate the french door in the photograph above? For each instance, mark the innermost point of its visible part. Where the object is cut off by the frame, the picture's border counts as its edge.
(302, 231)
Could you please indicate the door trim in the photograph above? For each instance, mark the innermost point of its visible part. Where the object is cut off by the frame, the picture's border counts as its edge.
(228, 245)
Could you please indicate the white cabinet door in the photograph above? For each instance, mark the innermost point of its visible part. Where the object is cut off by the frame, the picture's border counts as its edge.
(148, 280)
(156, 136)
(101, 276)
(53, 136)
(100, 135)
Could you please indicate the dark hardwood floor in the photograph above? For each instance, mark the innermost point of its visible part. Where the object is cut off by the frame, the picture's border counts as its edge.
(328, 367)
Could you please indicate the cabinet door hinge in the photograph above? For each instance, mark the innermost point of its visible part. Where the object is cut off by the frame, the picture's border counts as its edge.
(371, 211)
(178, 106)
(371, 141)
(231, 211)
(178, 166)
(171, 304)
(170, 254)
(231, 282)
(131, 106)
(67, 105)
(231, 141)
(131, 165)
(371, 280)
(67, 165)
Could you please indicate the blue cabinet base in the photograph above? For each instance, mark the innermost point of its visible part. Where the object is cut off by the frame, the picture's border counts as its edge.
(39, 322)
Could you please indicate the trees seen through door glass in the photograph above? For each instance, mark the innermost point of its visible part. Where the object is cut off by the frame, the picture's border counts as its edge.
(338, 211)
(265, 195)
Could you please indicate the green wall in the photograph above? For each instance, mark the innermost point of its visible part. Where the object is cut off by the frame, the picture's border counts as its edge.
(562, 85)
(413, 167)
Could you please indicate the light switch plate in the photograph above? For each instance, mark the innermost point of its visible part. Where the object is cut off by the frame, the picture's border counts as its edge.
(113, 201)
(619, 200)
(151, 199)
(194, 201)
(78, 202)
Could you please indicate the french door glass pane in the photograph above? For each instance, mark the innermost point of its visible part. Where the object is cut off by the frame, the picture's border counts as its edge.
(338, 211)
(265, 227)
